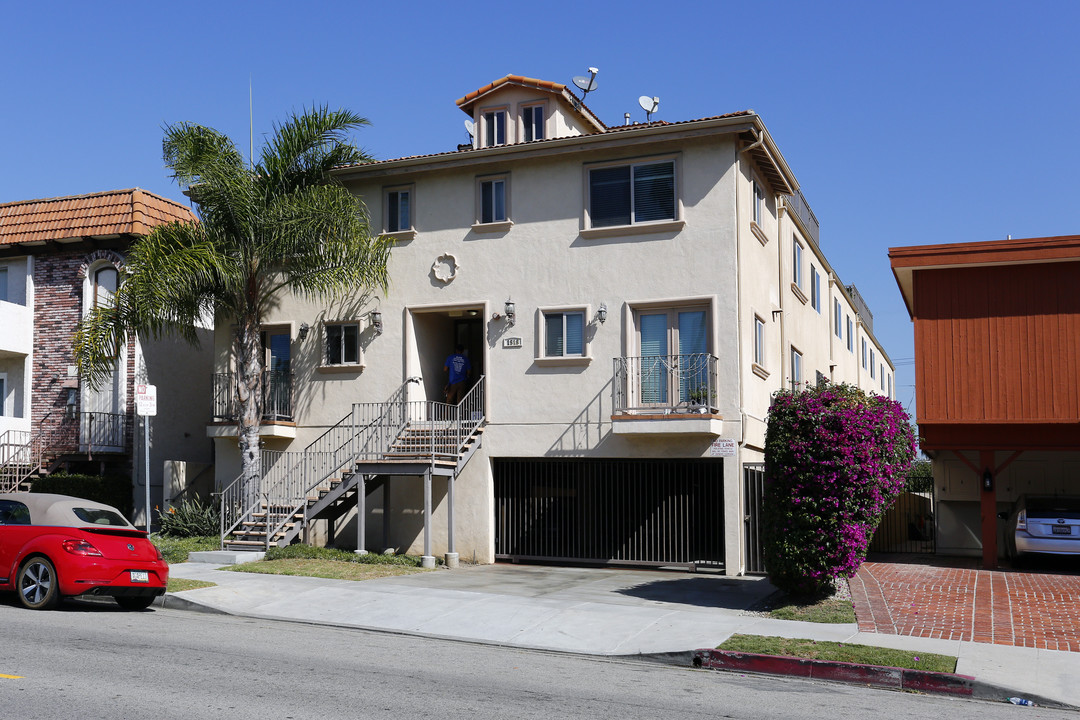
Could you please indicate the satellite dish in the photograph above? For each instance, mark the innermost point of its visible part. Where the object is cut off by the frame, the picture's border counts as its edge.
(470, 127)
(649, 105)
(586, 84)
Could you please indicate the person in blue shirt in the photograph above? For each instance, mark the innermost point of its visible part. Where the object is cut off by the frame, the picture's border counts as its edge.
(457, 368)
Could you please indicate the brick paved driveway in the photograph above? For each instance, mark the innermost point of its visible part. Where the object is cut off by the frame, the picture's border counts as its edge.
(952, 599)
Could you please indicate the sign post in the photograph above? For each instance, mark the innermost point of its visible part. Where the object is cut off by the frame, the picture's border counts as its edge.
(146, 407)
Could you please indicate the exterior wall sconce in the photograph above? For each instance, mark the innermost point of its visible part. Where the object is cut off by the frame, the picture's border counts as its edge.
(304, 330)
(987, 480)
(601, 313)
(510, 313)
(376, 321)
(72, 395)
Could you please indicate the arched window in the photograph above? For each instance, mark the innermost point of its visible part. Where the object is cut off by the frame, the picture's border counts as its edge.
(105, 282)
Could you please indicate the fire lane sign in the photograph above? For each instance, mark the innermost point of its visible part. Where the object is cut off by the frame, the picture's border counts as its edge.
(146, 400)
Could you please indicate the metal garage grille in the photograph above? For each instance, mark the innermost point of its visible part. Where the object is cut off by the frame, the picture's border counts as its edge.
(908, 525)
(754, 491)
(611, 511)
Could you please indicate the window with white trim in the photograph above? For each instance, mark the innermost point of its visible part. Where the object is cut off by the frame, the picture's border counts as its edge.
(3, 283)
(532, 118)
(342, 344)
(864, 354)
(850, 335)
(398, 209)
(881, 375)
(815, 288)
(873, 364)
(632, 194)
(838, 327)
(759, 341)
(564, 334)
(796, 370)
(491, 204)
(494, 127)
(759, 203)
(889, 394)
(796, 261)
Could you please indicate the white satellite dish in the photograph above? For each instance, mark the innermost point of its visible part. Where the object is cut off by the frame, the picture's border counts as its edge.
(470, 127)
(586, 84)
(649, 105)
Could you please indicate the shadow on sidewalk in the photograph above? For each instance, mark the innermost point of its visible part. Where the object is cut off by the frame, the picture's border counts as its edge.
(708, 592)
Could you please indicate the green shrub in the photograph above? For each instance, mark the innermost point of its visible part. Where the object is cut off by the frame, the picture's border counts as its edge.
(191, 518)
(175, 550)
(310, 552)
(835, 459)
(112, 490)
(920, 479)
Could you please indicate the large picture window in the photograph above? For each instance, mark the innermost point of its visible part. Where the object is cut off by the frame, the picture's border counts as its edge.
(631, 194)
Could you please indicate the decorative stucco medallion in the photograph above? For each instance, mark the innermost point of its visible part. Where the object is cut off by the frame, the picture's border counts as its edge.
(445, 267)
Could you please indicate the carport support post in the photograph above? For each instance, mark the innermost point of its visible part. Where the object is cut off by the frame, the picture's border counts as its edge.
(988, 506)
(428, 560)
(361, 514)
(451, 553)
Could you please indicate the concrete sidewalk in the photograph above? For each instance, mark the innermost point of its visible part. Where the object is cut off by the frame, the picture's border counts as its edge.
(592, 611)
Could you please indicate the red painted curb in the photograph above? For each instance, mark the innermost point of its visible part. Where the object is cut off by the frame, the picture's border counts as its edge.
(876, 675)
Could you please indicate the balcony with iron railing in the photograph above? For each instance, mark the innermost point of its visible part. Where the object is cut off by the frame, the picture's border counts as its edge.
(277, 405)
(665, 394)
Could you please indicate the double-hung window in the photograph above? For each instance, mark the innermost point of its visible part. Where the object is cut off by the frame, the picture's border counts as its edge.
(759, 204)
(492, 202)
(342, 344)
(815, 288)
(632, 194)
(564, 334)
(494, 128)
(838, 328)
(881, 375)
(759, 341)
(850, 335)
(796, 370)
(873, 363)
(398, 210)
(864, 354)
(796, 262)
(532, 117)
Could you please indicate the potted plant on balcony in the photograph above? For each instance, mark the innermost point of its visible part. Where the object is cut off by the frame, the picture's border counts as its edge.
(700, 399)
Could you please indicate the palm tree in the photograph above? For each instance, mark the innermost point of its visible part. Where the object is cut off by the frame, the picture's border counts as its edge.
(279, 224)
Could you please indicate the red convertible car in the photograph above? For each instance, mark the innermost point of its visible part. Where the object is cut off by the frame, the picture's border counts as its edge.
(54, 546)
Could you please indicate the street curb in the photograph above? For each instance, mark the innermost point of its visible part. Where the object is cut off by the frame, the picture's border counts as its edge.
(169, 601)
(891, 678)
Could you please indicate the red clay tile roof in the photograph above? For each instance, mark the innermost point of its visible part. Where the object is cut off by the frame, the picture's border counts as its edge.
(517, 80)
(116, 212)
(607, 129)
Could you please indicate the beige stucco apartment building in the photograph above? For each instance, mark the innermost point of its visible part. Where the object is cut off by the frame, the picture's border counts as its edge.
(631, 295)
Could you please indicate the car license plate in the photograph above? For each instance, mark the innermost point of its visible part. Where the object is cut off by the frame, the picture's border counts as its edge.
(1061, 530)
(142, 576)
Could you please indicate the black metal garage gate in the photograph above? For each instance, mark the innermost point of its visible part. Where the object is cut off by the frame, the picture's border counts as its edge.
(610, 511)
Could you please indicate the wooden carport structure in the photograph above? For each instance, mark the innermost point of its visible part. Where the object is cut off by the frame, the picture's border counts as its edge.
(997, 353)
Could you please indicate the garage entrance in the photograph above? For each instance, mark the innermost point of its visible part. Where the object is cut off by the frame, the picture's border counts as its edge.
(610, 511)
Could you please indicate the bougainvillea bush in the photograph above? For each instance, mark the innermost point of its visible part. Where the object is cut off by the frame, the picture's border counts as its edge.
(835, 459)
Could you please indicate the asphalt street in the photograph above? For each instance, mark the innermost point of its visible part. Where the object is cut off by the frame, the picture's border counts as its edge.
(94, 661)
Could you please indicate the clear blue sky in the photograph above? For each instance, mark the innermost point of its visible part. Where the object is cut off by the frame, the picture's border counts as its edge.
(905, 122)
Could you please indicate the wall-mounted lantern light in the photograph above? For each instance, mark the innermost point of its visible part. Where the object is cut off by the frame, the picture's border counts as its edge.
(304, 330)
(601, 313)
(988, 480)
(376, 321)
(510, 313)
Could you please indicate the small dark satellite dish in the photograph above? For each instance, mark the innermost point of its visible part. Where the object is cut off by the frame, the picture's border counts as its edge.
(586, 84)
(649, 105)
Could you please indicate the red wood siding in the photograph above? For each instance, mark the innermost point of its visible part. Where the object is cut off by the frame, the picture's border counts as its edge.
(998, 344)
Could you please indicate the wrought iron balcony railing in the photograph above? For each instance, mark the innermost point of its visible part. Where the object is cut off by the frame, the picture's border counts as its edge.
(651, 383)
(277, 396)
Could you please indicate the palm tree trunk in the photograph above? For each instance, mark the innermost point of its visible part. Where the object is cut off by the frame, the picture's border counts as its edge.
(249, 395)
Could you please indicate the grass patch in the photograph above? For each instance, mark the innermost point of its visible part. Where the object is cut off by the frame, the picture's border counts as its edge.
(299, 551)
(175, 550)
(829, 610)
(323, 568)
(841, 652)
(182, 584)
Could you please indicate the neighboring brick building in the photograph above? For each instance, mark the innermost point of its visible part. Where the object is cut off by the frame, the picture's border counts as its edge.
(58, 257)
